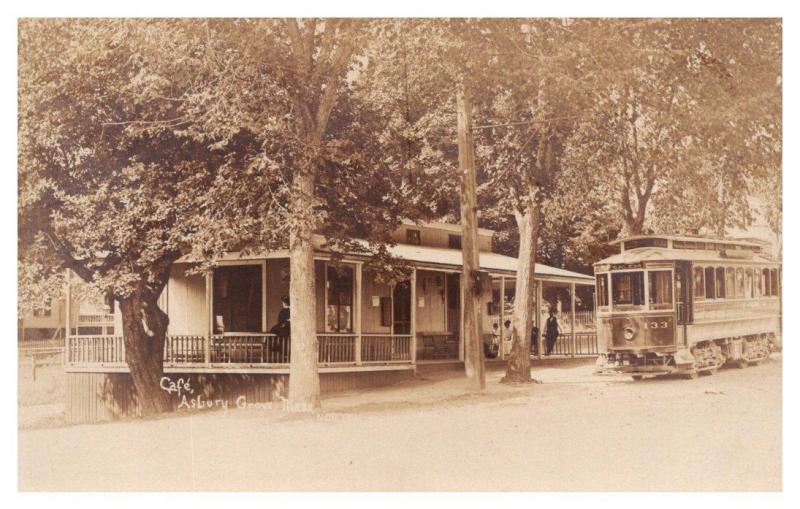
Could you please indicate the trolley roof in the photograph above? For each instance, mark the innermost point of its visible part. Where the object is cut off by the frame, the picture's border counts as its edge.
(657, 254)
(669, 239)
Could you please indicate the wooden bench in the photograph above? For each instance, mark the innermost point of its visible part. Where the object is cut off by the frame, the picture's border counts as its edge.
(437, 345)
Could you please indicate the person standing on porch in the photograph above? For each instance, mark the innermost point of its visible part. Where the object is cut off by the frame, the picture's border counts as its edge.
(551, 332)
(283, 328)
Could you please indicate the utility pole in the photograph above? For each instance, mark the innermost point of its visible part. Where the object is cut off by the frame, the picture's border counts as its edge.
(470, 275)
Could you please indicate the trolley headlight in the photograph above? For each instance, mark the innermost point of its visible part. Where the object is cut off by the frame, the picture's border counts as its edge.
(629, 333)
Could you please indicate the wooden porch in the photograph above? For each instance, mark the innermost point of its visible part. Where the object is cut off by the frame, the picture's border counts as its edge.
(249, 352)
(269, 353)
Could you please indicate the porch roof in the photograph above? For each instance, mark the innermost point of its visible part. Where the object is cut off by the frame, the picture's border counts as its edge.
(488, 261)
(432, 256)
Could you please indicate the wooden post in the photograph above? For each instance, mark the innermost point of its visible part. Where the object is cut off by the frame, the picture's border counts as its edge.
(413, 318)
(210, 315)
(572, 316)
(500, 328)
(67, 324)
(357, 314)
(539, 342)
(473, 355)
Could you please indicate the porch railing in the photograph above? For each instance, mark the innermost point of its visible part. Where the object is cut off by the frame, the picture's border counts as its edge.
(385, 348)
(585, 344)
(184, 349)
(337, 348)
(249, 349)
(95, 350)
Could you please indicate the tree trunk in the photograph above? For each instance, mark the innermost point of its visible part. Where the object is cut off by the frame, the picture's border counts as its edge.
(518, 369)
(303, 372)
(473, 351)
(144, 329)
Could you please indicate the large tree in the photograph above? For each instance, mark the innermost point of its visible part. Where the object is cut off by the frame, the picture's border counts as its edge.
(317, 166)
(102, 191)
(687, 127)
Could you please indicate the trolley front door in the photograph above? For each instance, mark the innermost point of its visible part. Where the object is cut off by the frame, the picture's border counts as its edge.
(683, 293)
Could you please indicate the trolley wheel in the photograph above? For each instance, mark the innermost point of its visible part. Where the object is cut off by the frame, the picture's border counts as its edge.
(708, 372)
(741, 363)
(637, 378)
(691, 375)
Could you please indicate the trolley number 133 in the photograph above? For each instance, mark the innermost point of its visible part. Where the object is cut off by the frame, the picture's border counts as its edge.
(656, 324)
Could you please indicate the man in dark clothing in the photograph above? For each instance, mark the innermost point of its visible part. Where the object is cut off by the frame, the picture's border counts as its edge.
(551, 332)
(283, 330)
(283, 327)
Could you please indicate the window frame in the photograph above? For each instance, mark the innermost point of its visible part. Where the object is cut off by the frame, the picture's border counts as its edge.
(719, 283)
(702, 285)
(739, 282)
(411, 232)
(353, 269)
(603, 308)
(451, 237)
(672, 289)
(236, 263)
(775, 284)
(629, 307)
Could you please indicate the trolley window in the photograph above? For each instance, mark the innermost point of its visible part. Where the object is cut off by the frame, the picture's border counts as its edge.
(602, 290)
(627, 289)
(699, 286)
(660, 289)
(765, 276)
(748, 284)
(758, 287)
(710, 283)
(774, 282)
(730, 282)
(720, 282)
(739, 283)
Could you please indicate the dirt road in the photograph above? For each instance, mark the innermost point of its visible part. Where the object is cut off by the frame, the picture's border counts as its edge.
(574, 431)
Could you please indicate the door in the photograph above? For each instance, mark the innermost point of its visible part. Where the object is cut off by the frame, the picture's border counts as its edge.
(401, 308)
(683, 298)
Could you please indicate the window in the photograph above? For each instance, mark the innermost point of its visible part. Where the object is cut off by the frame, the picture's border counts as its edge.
(602, 290)
(646, 242)
(699, 285)
(339, 313)
(660, 289)
(413, 237)
(45, 310)
(688, 244)
(238, 299)
(774, 282)
(454, 241)
(767, 286)
(730, 282)
(710, 283)
(748, 284)
(758, 284)
(627, 289)
(720, 282)
(740, 283)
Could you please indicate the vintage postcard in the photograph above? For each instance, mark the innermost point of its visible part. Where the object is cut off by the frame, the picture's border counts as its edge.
(400, 254)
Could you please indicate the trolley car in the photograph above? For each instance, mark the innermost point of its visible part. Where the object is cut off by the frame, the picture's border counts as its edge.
(686, 306)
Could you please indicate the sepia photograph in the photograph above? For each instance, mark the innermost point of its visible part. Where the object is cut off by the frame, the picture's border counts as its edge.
(399, 254)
